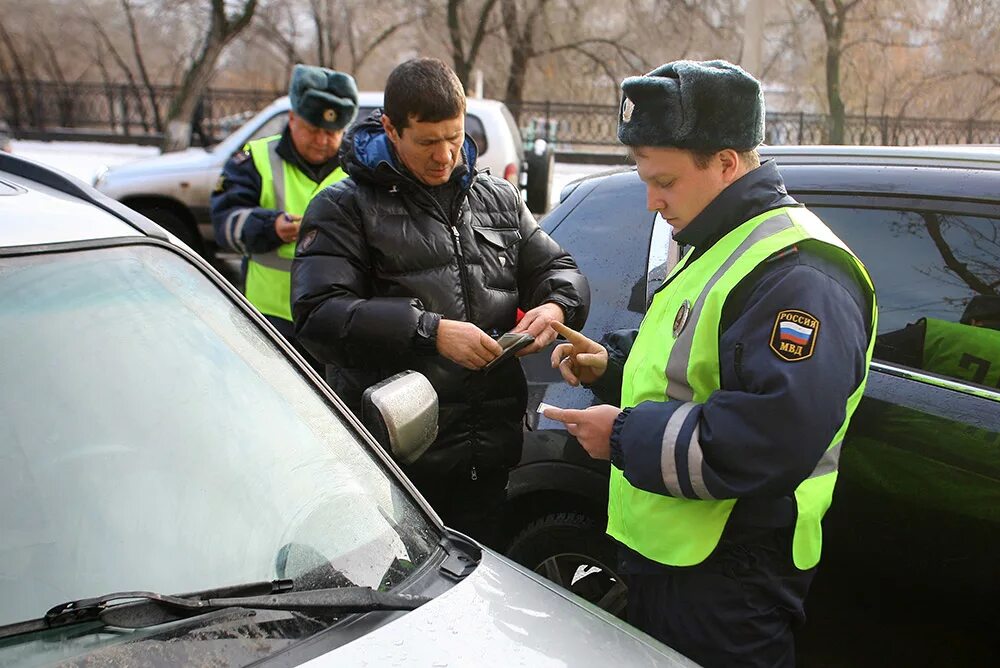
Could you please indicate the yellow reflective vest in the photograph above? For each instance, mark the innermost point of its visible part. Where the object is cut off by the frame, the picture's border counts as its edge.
(285, 188)
(680, 531)
(962, 351)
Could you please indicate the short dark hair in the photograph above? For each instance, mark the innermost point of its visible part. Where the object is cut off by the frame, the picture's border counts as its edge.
(424, 89)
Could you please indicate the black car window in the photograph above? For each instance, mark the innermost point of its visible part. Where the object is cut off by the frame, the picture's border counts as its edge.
(609, 238)
(937, 278)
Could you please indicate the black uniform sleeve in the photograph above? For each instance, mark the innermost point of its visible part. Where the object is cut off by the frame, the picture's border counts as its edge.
(773, 419)
(903, 346)
(336, 317)
(547, 273)
(240, 223)
(608, 387)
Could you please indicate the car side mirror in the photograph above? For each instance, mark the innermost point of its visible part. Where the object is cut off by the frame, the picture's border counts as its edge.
(401, 412)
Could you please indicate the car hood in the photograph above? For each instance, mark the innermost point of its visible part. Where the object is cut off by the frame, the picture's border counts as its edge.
(503, 615)
(181, 161)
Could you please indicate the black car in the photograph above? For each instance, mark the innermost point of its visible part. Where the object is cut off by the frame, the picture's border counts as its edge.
(912, 542)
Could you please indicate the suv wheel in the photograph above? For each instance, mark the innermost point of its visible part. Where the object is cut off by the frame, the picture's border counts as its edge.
(571, 550)
(173, 223)
(540, 171)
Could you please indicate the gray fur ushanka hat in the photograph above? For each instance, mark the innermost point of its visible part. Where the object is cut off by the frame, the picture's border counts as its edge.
(708, 105)
(323, 97)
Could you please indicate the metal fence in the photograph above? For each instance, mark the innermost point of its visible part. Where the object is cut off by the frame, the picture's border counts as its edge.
(594, 127)
(132, 112)
(41, 108)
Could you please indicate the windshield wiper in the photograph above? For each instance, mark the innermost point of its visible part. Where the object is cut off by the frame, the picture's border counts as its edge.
(157, 608)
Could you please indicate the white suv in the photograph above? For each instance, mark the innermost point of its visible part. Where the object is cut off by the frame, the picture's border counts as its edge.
(174, 189)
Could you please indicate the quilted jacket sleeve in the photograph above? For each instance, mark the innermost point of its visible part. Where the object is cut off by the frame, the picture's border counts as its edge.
(336, 316)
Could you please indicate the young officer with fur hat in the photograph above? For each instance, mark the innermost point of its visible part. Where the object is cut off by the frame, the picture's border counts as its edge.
(264, 189)
(734, 394)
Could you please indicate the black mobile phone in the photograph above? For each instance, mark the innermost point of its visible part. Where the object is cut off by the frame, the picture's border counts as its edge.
(511, 343)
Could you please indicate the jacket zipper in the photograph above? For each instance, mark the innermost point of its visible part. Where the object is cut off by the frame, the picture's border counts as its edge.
(457, 238)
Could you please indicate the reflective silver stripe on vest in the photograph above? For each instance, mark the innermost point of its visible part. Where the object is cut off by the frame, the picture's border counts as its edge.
(829, 462)
(680, 354)
(696, 460)
(668, 461)
(277, 175)
(234, 229)
(272, 260)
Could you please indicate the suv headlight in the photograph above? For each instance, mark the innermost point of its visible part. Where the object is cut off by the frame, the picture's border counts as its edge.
(100, 177)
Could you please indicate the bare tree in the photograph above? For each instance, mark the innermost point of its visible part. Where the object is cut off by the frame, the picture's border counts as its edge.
(14, 63)
(141, 63)
(833, 16)
(464, 56)
(109, 46)
(221, 31)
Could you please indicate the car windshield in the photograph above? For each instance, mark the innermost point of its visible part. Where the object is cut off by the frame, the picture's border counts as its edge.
(153, 437)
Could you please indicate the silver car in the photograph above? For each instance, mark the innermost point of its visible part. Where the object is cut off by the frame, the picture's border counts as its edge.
(158, 437)
(174, 189)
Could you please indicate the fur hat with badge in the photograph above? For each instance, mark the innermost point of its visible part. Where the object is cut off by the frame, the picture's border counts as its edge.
(323, 97)
(705, 106)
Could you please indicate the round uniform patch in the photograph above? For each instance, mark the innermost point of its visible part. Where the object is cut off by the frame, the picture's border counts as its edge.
(681, 319)
(330, 115)
(305, 242)
(793, 338)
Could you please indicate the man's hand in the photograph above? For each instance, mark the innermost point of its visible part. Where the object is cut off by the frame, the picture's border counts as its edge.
(579, 361)
(286, 226)
(536, 322)
(592, 427)
(465, 344)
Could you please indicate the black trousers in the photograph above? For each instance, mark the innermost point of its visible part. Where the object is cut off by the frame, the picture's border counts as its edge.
(473, 507)
(737, 608)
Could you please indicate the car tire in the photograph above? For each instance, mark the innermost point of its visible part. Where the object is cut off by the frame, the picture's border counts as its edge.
(541, 168)
(572, 550)
(173, 223)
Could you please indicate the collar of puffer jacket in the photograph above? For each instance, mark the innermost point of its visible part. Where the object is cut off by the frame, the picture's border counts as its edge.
(367, 155)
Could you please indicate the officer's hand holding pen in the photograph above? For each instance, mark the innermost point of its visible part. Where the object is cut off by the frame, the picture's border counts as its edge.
(580, 360)
(286, 226)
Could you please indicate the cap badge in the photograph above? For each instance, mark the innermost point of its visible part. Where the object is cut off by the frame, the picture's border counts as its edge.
(681, 319)
(627, 108)
(329, 115)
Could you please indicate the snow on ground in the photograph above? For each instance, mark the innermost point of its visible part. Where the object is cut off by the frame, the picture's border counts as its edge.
(84, 159)
(81, 159)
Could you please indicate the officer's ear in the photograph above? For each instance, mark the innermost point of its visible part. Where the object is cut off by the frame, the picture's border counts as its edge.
(732, 168)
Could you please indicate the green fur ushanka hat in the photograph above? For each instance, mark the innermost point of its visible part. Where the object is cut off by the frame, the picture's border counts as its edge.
(707, 106)
(323, 97)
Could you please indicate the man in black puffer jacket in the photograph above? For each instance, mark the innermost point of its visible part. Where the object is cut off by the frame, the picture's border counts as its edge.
(418, 261)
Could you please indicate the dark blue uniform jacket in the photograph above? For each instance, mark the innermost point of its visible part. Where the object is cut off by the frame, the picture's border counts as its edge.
(238, 190)
(765, 430)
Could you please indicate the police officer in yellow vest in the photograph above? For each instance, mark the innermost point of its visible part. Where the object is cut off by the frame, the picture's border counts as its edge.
(265, 188)
(731, 400)
(967, 350)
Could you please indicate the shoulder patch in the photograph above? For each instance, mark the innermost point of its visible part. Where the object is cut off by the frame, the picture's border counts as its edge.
(220, 185)
(240, 157)
(793, 338)
(305, 242)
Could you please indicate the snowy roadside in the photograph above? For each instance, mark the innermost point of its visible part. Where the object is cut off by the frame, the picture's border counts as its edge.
(81, 159)
(84, 159)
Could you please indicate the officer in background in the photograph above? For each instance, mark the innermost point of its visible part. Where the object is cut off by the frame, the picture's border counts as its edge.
(265, 188)
(967, 350)
(737, 388)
